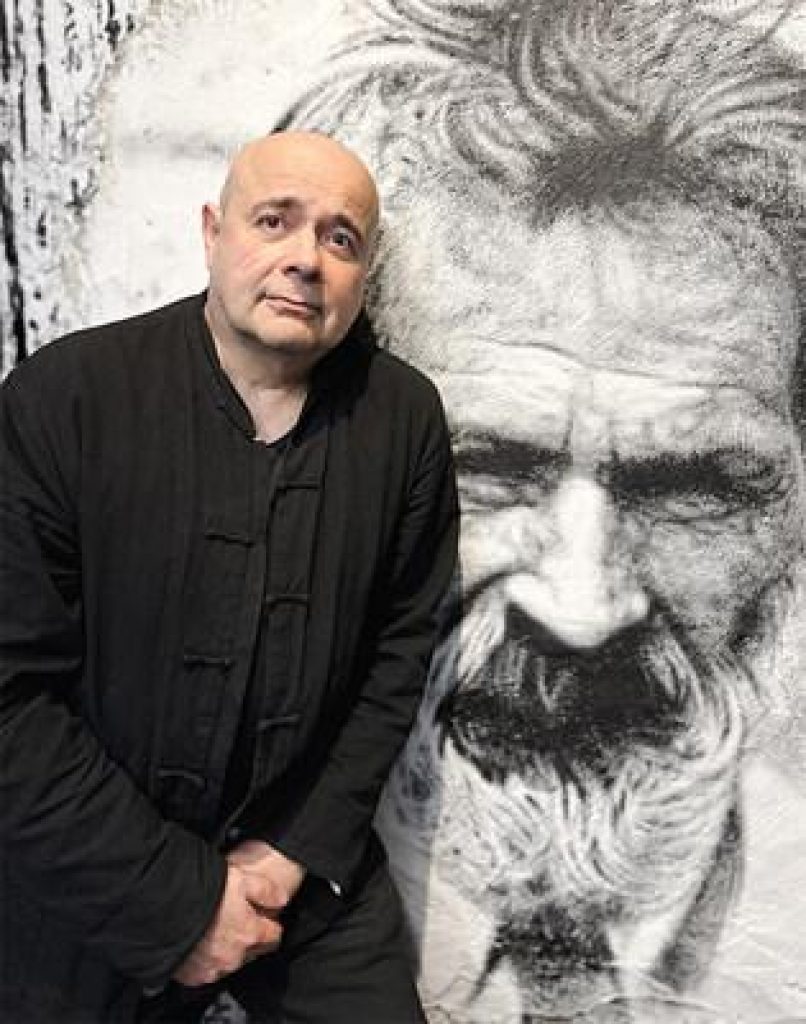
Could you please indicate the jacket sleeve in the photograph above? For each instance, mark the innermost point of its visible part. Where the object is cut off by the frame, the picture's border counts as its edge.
(75, 832)
(329, 832)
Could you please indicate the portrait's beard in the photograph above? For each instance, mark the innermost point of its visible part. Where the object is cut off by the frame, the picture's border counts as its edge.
(587, 788)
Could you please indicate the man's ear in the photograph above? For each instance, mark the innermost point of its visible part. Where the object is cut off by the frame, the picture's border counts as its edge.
(211, 226)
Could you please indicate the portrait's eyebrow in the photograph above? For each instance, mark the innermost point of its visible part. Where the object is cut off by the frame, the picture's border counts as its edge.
(492, 454)
(729, 468)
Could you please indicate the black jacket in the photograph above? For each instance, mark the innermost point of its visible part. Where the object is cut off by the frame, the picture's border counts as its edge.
(134, 571)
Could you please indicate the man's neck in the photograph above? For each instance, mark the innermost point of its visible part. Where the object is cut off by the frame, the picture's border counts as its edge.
(274, 402)
(272, 386)
(274, 411)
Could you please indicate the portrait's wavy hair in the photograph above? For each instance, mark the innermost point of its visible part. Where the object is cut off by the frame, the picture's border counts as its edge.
(579, 104)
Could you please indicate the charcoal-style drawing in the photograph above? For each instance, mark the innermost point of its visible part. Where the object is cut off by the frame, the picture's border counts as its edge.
(594, 243)
(598, 253)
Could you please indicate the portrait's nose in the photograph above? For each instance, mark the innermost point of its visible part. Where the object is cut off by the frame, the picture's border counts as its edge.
(584, 589)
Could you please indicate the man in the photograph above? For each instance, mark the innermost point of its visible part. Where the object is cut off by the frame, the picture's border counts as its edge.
(602, 266)
(226, 529)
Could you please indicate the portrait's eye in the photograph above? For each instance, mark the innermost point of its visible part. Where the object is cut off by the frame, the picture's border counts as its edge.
(498, 473)
(483, 492)
(755, 479)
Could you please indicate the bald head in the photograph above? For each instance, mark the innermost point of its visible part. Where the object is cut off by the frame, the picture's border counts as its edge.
(309, 156)
(288, 251)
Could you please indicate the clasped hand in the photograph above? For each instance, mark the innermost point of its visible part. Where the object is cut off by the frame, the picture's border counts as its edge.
(260, 883)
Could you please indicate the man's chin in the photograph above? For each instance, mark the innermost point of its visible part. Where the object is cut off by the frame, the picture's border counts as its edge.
(279, 332)
(288, 338)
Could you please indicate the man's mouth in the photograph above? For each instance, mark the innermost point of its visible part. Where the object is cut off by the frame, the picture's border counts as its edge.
(294, 305)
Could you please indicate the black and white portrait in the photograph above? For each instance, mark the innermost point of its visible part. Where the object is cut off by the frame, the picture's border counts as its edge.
(593, 242)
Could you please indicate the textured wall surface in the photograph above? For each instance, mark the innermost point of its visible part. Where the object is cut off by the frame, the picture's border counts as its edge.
(119, 117)
(602, 811)
(54, 58)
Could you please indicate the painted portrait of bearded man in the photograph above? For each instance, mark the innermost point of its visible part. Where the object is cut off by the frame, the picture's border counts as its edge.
(594, 244)
(598, 255)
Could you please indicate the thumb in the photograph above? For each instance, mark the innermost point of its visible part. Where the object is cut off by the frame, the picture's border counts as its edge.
(263, 892)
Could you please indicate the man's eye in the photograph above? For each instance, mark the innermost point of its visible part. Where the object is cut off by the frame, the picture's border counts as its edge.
(343, 241)
(270, 221)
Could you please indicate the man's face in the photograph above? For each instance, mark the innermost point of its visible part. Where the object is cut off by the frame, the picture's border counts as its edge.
(288, 248)
(629, 470)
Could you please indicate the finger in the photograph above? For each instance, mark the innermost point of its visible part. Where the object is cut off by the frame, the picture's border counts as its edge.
(266, 940)
(194, 975)
(269, 935)
(264, 893)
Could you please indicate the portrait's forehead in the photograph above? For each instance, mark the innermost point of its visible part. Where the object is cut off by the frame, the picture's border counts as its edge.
(671, 298)
(542, 409)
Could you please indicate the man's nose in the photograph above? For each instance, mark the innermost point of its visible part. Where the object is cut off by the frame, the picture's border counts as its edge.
(584, 588)
(301, 254)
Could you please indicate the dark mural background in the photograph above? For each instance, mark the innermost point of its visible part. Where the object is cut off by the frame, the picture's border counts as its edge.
(593, 241)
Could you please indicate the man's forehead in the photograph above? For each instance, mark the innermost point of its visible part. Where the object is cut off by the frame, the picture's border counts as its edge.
(304, 190)
(308, 171)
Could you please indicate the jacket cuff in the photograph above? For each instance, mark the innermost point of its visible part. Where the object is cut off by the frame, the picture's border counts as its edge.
(167, 912)
(339, 873)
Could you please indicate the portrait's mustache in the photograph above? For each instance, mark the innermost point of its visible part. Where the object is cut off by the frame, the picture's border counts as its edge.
(518, 697)
(585, 782)
(601, 778)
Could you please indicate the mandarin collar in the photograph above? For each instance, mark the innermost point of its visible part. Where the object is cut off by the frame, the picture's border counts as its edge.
(340, 371)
